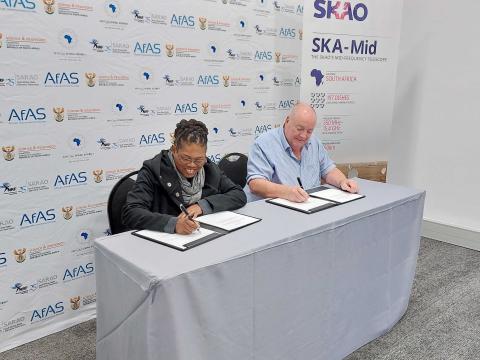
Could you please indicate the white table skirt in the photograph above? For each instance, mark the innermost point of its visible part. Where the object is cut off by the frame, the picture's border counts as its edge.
(293, 286)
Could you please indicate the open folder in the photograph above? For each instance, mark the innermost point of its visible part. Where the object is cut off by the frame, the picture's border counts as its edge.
(320, 198)
(309, 207)
(213, 226)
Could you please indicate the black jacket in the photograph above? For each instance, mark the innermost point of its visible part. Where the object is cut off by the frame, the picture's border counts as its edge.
(156, 195)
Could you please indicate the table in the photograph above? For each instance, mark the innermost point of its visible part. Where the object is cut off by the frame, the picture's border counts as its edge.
(292, 286)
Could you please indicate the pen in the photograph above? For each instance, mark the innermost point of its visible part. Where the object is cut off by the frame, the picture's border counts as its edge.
(184, 210)
(299, 182)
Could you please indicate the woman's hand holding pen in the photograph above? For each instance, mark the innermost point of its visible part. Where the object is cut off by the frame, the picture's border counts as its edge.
(185, 221)
(185, 225)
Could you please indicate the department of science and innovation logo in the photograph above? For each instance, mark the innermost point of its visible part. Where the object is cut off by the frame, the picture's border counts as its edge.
(49, 6)
(340, 10)
(90, 78)
(8, 152)
(59, 113)
(20, 255)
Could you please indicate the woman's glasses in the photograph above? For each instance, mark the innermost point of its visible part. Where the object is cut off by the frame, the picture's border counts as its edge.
(186, 160)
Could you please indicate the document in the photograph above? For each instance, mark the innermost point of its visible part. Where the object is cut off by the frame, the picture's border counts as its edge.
(336, 195)
(179, 242)
(227, 220)
(310, 206)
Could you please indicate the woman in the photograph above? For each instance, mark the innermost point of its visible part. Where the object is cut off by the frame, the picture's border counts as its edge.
(181, 175)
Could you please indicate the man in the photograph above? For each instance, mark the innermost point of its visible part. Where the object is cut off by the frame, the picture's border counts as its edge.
(282, 155)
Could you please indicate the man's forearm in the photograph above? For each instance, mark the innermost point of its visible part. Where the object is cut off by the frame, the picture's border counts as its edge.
(335, 177)
(267, 189)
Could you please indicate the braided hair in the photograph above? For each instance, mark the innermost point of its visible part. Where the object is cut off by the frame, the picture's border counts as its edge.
(190, 131)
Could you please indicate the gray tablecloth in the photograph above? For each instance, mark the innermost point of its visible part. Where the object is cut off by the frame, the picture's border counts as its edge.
(292, 286)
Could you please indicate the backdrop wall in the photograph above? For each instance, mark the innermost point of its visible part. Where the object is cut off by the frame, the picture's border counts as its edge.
(436, 119)
(90, 89)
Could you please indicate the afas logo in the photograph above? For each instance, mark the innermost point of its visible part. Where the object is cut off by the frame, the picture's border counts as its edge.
(187, 108)
(214, 158)
(27, 115)
(47, 312)
(147, 48)
(61, 79)
(38, 217)
(78, 272)
(327, 9)
(152, 139)
(182, 21)
(71, 179)
(18, 4)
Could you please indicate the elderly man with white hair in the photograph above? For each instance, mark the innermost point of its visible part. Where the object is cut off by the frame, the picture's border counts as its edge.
(284, 159)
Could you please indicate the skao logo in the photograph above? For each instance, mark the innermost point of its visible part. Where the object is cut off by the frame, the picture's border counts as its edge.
(78, 272)
(61, 79)
(38, 218)
(208, 80)
(70, 179)
(182, 21)
(27, 115)
(47, 312)
(147, 48)
(18, 4)
(186, 108)
(152, 139)
(328, 9)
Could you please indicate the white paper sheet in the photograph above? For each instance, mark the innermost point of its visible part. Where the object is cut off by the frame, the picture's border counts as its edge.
(175, 240)
(226, 220)
(308, 205)
(336, 195)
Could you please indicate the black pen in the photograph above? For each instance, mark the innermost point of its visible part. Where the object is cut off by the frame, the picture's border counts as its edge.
(299, 182)
(184, 210)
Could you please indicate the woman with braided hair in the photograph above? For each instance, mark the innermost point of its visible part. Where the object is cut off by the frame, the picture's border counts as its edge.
(181, 175)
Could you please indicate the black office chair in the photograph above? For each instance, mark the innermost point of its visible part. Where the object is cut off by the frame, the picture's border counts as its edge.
(116, 200)
(234, 165)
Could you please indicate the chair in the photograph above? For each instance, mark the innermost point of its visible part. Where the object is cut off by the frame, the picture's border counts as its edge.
(116, 200)
(234, 165)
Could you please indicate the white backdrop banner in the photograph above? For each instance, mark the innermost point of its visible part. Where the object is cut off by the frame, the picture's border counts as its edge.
(350, 52)
(90, 89)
